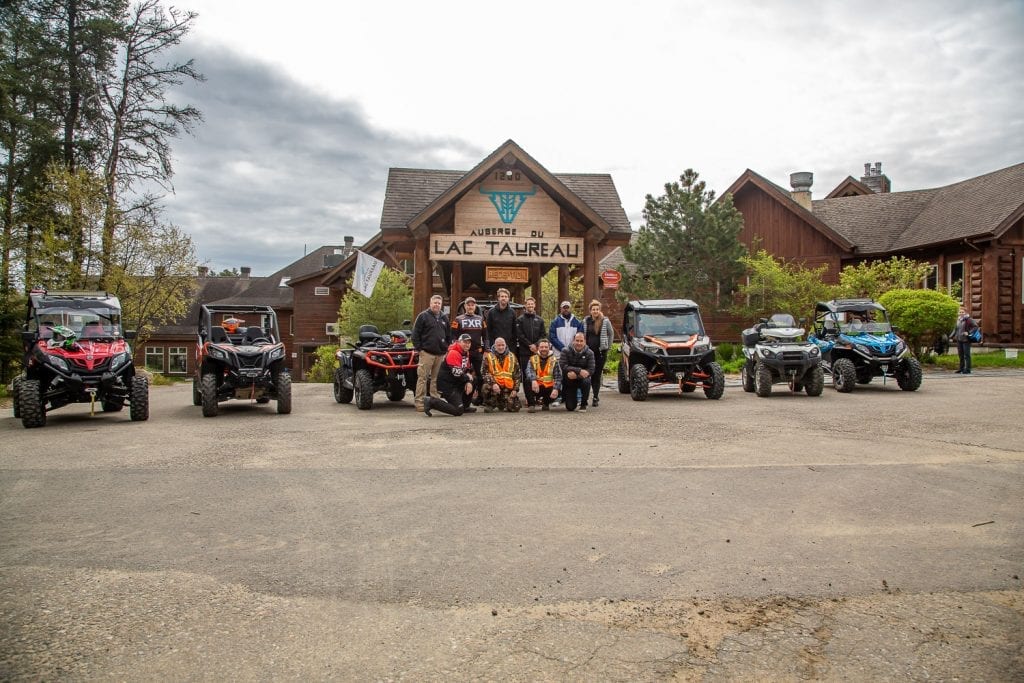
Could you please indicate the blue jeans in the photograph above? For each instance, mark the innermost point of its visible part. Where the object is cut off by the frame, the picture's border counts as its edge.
(963, 349)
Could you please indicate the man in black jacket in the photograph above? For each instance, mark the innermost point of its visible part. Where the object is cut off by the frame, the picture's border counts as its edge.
(431, 336)
(530, 329)
(577, 363)
(501, 320)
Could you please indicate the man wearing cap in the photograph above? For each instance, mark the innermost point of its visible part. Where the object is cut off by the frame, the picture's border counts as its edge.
(564, 328)
(472, 324)
(500, 386)
(455, 381)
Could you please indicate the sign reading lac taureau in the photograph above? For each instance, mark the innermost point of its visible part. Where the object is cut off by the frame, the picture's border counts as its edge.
(506, 219)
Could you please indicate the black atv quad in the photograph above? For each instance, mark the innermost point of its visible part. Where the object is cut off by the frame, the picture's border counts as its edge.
(240, 361)
(663, 341)
(75, 352)
(776, 352)
(379, 362)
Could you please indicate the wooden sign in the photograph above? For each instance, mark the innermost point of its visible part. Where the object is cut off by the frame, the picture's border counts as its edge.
(611, 279)
(513, 275)
(510, 249)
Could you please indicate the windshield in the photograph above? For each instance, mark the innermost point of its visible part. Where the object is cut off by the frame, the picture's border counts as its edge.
(88, 323)
(853, 323)
(668, 323)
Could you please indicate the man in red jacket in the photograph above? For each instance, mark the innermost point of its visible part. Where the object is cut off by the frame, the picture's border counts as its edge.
(455, 381)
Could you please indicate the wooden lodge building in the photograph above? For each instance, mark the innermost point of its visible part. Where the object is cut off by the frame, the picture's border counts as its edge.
(505, 223)
(972, 232)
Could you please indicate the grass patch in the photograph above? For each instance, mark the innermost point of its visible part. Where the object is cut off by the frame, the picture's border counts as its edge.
(993, 359)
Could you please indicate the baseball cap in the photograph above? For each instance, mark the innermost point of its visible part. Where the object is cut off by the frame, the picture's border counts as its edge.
(465, 337)
(564, 304)
(470, 300)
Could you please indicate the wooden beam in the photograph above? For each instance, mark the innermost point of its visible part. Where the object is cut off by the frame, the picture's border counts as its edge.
(423, 280)
(563, 280)
(456, 288)
(535, 286)
(589, 272)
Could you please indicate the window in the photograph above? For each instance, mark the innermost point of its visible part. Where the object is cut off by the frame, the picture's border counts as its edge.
(155, 358)
(177, 360)
(931, 280)
(321, 291)
(955, 279)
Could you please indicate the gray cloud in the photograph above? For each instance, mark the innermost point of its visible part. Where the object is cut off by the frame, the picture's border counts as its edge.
(276, 167)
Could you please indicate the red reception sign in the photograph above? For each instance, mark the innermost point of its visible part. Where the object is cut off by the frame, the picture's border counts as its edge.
(611, 279)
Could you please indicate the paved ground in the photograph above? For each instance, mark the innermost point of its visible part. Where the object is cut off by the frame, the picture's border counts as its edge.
(872, 536)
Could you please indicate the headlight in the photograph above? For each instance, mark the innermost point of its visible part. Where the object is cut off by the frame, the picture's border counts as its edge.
(863, 349)
(58, 362)
(813, 351)
(219, 354)
(700, 348)
(277, 353)
(650, 348)
(767, 353)
(118, 360)
(901, 347)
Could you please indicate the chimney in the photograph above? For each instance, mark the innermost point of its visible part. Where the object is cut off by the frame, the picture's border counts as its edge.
(878, 182)
(246, 272)
(204, 271)
(349, 240)
(801, 183)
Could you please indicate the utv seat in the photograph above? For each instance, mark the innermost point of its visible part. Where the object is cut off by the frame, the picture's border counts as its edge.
(218, 335)
(92, 331)
(254, 333)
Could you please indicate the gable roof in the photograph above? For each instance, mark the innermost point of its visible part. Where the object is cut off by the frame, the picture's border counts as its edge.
(749, 177)
(983, 207)
(208, 289)
(414, 196)
(848, 188)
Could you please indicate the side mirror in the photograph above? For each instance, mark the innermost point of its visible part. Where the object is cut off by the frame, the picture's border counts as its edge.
(28, 337)
(764, 320)
(895, 330)
(406, 323)
(130, 334)
(803, 321)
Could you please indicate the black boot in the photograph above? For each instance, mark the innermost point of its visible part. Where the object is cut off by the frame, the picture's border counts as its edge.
(426, 406)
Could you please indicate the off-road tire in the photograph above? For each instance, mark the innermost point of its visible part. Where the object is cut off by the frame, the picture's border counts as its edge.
(112, 405)
(762, 380)
(16, 396)
(714, 386)
(796, 387)
(396, 393)
(283, 384)
(909, 376)
(864, 375)
(363, 383)
(747, 378)
(814, 381)
(844, 375)
(208, 388)
(197, 395)
(688, 387)
(138, 410)
(638, 385)
(342, 394)
(33, 412)
(623, 379)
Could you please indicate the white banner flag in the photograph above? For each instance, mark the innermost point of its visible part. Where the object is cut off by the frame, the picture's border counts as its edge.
(367, 271)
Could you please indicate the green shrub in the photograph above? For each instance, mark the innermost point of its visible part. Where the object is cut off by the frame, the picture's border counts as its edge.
(611, 365)
(323, 365)
(725, 352)
(920, 314)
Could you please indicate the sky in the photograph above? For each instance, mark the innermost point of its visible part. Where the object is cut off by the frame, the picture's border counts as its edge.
(307, 104)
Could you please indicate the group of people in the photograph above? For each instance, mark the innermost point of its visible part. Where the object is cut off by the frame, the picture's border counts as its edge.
(475, 360)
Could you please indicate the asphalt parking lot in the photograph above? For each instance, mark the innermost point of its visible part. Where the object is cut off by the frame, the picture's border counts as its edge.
(871, 536)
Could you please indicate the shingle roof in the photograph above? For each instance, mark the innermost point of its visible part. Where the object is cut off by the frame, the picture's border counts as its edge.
(411, 190)
(979, 207)
(209, 289)
(268, 291)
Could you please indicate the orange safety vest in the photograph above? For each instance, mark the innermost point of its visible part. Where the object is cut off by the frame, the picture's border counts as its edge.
(502, 373)
(545, 375)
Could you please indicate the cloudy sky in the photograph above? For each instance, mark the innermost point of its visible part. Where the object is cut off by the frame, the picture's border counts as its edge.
(307, 104)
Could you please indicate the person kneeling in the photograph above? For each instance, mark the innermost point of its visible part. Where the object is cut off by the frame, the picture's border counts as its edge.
(454, 381)
(577, 361)
(500, 387)
(544, 375)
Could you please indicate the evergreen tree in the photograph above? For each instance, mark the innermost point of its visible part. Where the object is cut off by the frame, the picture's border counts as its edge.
(688, 246)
